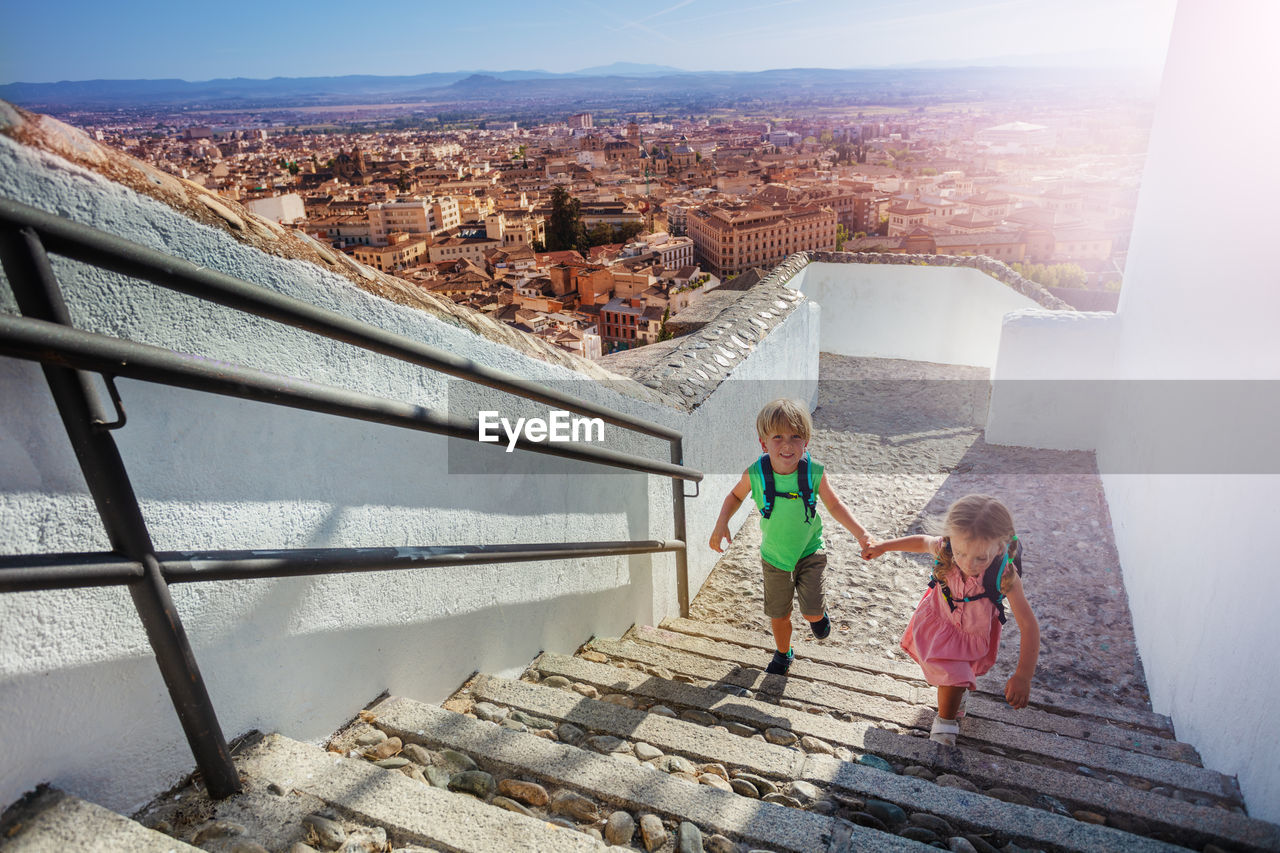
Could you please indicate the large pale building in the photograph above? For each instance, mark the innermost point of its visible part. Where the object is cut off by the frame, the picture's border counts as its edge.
(731, 239)
(420, 217)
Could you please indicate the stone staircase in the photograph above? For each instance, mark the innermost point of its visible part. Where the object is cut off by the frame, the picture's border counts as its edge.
(673, 739)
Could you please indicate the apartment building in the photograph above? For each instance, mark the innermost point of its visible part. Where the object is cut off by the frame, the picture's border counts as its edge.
(470, 243)
(405, 251)
(421, 217)
(669, 252)
(907, 216)
(729, 239)
(626, 323)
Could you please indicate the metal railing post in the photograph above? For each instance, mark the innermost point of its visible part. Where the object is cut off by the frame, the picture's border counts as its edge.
(677, 513)
(34, 286)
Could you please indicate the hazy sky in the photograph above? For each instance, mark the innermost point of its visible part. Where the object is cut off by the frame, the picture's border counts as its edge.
(81, 40)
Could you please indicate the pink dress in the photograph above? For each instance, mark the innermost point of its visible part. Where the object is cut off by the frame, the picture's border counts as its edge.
(953, 647)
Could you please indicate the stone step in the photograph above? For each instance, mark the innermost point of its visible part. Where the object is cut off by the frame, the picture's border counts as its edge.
(1045, 700)
(50, 821)
(626, 785)
(1123, 806)
(1056, 739)
(1066, 754)
(982, 814)
(296, 792)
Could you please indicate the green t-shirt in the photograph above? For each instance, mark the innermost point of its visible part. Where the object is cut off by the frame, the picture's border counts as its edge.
(785, 537)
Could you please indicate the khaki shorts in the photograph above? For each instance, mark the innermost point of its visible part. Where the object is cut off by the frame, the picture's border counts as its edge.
(804, 582)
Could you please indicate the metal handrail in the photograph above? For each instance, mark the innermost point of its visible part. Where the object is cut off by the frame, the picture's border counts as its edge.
(45, 334)
(70, 571)
(54, 343)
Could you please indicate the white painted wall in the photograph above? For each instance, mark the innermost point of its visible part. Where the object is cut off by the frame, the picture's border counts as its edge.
(784, 364)
(84, 706)
(1200, 300)
(279, 208)
(946, 315)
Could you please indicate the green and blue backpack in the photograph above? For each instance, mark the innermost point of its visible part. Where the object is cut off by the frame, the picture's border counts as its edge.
(804, 478)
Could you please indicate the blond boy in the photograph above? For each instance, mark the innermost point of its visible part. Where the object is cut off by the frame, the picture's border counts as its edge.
(791, 548)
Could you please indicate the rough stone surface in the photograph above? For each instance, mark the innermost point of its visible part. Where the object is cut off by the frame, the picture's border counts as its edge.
(688, 838)
(574, 805)
(475, 782)
(782, 737)
(953, 781)
(526, 792)
(891, 815)
(620, 828)
(652, 832)
(329, 834)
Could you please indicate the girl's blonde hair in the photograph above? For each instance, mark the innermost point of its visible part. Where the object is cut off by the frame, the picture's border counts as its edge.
(784, 413)
(975, 516)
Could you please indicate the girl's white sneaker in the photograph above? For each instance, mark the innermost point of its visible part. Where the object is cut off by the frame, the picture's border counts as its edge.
(944, 731)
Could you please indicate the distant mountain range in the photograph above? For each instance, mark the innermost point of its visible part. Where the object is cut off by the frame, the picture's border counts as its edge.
(585, 89)
(628, 69)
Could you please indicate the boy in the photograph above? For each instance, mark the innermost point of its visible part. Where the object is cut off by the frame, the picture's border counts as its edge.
(791, 542)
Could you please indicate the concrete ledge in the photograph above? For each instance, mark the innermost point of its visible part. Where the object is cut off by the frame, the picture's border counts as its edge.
(687, 372)
(1172, 815)
(911, 672)
(405, 807)
(1027, 826)
(50, 821)
(855, 692)
(687, 739)
(630, 786)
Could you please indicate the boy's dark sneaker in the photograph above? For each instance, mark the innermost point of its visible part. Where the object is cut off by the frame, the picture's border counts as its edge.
(780, 663)
(822, 628)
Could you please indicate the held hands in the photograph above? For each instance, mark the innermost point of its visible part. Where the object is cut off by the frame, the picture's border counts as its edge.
(872, 548)
(1017, 690)
(721, 533)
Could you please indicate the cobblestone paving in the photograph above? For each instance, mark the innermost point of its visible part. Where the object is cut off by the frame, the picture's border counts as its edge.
(901, 440)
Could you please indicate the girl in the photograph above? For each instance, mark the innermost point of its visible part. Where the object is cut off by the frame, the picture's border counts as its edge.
(954, 633)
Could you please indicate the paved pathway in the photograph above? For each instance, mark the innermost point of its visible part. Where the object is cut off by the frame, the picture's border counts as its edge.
(903, 439)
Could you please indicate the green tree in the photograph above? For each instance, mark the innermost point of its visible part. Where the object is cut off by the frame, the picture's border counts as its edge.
(663, 333)
(1053, 275)
(402, 181)
(600, 234)
(842, 235)
(626, 231)
(564, 227)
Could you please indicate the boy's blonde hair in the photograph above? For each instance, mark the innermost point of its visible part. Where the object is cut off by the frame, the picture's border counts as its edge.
(784, 413)
(975, 516)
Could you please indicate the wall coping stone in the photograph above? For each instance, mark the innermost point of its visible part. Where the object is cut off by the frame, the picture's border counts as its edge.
(998, 270)
(689, 368)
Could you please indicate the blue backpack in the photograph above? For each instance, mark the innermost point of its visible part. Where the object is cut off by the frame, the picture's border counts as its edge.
(804, 477)
(991, 577)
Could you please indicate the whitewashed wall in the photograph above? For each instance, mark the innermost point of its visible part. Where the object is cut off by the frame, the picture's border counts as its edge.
(84, 705)
(948, 315)
(1200, 301)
